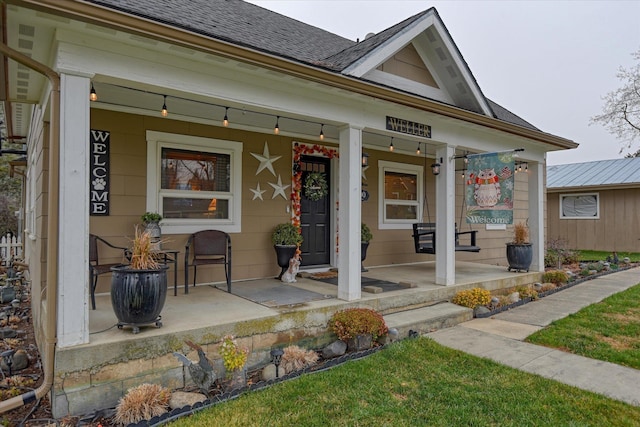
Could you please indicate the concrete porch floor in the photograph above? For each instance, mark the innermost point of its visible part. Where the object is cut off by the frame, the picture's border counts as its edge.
(96, 375)
(206, 306)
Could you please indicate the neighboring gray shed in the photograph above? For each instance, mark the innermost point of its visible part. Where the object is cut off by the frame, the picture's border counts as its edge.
(595, 205)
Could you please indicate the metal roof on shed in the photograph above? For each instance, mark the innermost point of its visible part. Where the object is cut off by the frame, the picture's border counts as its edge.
(601, 173)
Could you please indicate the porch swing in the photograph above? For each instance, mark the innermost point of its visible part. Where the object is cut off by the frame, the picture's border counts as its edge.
(424, 233)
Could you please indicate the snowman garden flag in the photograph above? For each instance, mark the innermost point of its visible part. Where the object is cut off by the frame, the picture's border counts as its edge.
(489, 188)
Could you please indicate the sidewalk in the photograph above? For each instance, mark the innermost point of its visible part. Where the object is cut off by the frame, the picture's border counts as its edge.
(500, 339)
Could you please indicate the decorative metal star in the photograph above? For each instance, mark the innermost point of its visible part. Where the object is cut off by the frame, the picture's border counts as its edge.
(266, 160)
(364, 170)
(257, 193)
(278, 189)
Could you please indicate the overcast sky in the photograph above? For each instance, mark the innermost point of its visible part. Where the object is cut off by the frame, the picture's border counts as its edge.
(550, 62)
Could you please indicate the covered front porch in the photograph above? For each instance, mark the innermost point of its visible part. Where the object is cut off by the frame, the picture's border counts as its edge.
(117, 359)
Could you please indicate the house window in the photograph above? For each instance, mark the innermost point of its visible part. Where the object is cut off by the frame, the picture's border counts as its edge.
(400, 195)
(580, 206)
(194, 183)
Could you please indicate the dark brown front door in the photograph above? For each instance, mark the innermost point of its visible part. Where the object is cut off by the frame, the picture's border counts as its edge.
(314, 214)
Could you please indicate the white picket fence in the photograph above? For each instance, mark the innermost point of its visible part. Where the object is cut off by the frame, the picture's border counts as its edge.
(10, 247)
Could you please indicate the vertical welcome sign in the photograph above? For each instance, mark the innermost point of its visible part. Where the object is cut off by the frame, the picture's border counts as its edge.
(99, 172)
(489, 188)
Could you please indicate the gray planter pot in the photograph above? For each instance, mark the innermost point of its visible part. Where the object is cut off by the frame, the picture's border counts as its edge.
(519, 256)
(138, 296)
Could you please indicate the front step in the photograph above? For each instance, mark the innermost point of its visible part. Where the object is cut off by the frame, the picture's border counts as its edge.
(428, 319)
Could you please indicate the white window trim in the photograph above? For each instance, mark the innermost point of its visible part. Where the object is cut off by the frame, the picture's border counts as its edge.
(580, 194)
(158, 140)
(30, 214)
(399, 224)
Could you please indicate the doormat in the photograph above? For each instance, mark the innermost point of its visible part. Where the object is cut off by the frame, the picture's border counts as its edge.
(368, 284)
(273, 293)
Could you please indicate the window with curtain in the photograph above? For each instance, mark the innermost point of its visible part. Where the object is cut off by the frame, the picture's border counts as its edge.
(579, 206)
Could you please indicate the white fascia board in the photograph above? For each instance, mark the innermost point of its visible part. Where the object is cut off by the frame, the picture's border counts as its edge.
(389, 48)
(463, 68)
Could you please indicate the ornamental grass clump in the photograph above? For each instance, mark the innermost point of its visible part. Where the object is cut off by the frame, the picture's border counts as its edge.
(472, 298)
(142, 403)
(348, 324)
(233, 356)
(296, 358)
(142, 257)
(520, 233)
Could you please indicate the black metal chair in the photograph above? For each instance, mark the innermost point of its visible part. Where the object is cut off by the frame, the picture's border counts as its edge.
(208, 247)
(96, 268)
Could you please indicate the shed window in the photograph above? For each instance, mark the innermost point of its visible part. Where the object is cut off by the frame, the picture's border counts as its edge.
(580, 206)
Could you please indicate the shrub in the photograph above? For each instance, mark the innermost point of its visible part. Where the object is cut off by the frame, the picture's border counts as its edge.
(286, 234)
(349, 323)
(472, 298)
(527, 292)
(548, 286)
(296, 358)
(233, 356)
(555, 276)
(365, 233)
(142, 403)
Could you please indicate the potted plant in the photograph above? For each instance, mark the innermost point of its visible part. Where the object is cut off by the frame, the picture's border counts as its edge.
(139, 289)
(286, 239)
(519, 251)
(151, 222)
(365, 238)
(358, 327)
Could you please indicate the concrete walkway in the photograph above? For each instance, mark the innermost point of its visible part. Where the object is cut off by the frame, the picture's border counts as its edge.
(500, 339)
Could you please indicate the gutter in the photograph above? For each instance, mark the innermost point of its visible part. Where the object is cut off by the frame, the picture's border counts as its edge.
(100, 15)
(50, 338)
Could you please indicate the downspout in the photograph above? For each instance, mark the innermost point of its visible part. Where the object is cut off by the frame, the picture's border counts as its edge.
(52, 230)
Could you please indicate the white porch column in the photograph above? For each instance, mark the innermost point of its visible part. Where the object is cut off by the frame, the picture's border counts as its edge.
(536, 214)
(445, 217)
(73, 252)
(349, 213)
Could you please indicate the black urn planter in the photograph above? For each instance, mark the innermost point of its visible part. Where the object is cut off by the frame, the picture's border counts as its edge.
(138, 296)
(284, 254)
(363, 252)
(519, 256)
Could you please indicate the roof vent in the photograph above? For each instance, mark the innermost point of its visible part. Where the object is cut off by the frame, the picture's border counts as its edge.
(369, 35)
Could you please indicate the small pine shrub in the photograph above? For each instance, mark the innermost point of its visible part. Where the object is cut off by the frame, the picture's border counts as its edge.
(296, 358)
(349, 323)
(584, 273)
(233, 356)
(472, 298)
(555, 276)
(142, 403)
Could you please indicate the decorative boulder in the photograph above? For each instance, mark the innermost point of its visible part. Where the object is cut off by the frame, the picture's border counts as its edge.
(180, 399)
(514, 297)
(269, 372)
(335, 349)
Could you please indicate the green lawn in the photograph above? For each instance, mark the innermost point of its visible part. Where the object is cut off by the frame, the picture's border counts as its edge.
(418, 383)
(602, 255)
(609, 330)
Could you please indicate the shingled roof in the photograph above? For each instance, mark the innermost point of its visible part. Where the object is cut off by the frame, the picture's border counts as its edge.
(251, 26)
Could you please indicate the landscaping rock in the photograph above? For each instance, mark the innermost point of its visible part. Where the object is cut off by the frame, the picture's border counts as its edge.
(537, 286)
(481, 309)
(514, 297)
(335, 349)
(20, 361)
(626, 260)
(180, 399)
(7, 333)
(269, 372)
(390, 337)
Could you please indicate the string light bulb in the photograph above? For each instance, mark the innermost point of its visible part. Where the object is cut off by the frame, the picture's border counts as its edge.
(225, 121)
(321, 132)
(276, 129)
(93, 96)
(418, 149)
(391, 145)
(164, 112)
